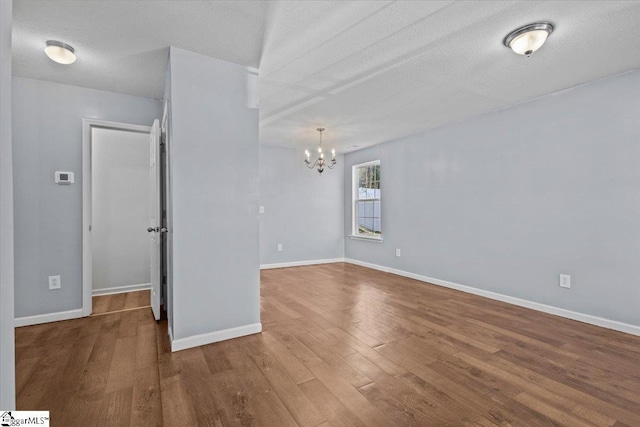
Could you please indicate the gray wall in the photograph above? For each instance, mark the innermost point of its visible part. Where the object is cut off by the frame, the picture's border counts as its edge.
(7, 365)
(47, 136)
(214, 179)
(168, 297)
(508, 200)
(303, 211)
(120, 208)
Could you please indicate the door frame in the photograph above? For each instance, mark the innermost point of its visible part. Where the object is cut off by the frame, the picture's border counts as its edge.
(87, 260)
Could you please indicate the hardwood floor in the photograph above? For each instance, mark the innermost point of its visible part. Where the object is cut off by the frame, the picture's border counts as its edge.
(342, 345)
(94, 371)
(120, 302)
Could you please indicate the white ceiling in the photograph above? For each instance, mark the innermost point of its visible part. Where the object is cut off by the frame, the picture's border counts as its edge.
(368, 71)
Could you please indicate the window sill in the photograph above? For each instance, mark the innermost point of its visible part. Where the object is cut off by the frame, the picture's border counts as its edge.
(366, 238)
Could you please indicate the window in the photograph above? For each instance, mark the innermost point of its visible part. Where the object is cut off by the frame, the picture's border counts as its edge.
(366, 200)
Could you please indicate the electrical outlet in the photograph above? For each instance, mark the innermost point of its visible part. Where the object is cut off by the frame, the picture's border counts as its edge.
(565, 281)
(279, 247)
(54, 282)
(261, 209)
(397, 252)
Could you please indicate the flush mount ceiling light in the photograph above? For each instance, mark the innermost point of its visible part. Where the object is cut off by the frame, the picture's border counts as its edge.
(526, 40)
(60, 52)
(320, 162)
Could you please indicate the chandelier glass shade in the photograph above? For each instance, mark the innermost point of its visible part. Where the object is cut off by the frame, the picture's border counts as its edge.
(320, 163)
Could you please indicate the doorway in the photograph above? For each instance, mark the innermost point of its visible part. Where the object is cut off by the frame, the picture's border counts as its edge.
(121, 237)
(120, 211)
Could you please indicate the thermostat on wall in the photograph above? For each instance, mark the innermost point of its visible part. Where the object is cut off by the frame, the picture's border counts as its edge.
(64, 178)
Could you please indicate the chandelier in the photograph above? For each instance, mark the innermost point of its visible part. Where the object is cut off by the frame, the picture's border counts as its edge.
(320, 162)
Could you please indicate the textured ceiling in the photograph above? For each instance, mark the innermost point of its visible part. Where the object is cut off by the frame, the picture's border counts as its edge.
(122, 46)
(368, 71)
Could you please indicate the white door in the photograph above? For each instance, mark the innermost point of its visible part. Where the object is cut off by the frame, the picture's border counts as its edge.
(155, 230)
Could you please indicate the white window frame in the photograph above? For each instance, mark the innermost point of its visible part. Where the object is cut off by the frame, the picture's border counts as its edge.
(354, 199)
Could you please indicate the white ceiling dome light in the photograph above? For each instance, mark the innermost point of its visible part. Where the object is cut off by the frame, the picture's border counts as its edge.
(60, 52)
(526, 40)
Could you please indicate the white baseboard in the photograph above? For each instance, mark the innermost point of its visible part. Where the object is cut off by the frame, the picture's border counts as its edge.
(46, 318)
(121, 289)
(300, 263)
(581, 317)
(211, 337)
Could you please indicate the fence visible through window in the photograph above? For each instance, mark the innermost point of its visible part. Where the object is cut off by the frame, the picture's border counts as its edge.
(367, 204)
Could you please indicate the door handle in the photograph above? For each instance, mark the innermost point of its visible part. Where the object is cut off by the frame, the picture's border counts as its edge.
(157, 230)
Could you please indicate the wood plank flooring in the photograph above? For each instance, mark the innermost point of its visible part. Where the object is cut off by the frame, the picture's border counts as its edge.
(94, 371)
(342, 345)
(120, 302)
